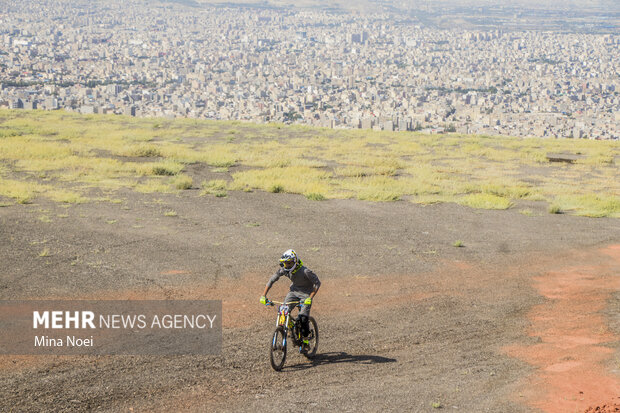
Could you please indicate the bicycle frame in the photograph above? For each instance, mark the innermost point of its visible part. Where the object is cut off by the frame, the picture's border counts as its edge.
(283, 318)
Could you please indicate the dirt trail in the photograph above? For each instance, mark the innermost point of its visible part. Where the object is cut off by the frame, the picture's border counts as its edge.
(456, 321)
(407, 320)
(573, 338)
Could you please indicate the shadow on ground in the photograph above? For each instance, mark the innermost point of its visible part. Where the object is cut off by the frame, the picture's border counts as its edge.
(341, 357)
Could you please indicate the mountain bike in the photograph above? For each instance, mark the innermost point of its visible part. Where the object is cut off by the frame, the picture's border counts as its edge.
(288, 326)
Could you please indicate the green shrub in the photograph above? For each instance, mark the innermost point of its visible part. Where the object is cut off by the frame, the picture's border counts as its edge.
(276, 188)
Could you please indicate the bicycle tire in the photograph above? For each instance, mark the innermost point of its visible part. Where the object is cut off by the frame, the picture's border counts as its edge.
(277, 349)
(314, 341)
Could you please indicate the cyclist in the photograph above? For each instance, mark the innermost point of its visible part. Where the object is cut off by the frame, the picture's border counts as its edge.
(304, 286)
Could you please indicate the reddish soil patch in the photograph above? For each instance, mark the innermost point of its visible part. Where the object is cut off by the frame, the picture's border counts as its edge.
(572, 333)
(606, 408)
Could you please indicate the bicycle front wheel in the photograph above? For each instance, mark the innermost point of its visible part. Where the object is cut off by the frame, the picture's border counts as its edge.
(313, 338)
(277, 349)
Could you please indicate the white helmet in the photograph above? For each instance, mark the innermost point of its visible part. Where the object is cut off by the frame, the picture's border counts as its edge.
(289, 260)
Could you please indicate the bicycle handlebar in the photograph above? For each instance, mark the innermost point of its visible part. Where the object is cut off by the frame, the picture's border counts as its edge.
(270, 302)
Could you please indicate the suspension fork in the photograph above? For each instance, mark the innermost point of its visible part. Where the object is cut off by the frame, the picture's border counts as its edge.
(286, 321)
(285, 326)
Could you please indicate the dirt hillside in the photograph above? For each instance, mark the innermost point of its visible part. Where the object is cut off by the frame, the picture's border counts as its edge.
(521, 318)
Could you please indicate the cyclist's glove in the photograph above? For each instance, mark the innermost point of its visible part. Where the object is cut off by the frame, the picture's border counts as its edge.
(308, 301)
(263, 300)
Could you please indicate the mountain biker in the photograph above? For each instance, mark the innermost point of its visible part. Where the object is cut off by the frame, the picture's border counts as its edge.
(304, 286)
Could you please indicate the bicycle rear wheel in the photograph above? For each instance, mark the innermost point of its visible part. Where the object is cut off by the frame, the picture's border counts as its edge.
(313, 338)
(277, 349)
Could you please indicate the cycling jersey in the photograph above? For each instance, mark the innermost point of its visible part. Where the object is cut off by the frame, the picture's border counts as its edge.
(303, 280)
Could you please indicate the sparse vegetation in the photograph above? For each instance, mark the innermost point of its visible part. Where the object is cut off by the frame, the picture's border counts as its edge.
(164, 168)
(65, 196)
(182, 182)
(141, 150)
(485, 201)
(353, 171)
(276, 189)
(153, 186)
(215, 187)
(61, 156)
(555, 209)
(313, 196)
(589, 205)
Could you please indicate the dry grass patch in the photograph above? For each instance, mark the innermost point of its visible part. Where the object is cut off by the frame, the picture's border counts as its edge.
(503, 188)
(66, 148)
(141, 150)
(353, 171)
(154, 185)
(429, 199)
(215, 187)
(161, 168)
(373, 188)
(589, 205)
(65, 196)
(23, 192)
(29, 147)
(297, 180)
(182, 182)
(485, 201)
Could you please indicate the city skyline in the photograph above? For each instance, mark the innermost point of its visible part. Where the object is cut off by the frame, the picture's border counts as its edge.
(383, 71)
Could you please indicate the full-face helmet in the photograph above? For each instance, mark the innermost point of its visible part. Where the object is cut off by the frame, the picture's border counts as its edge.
(289, 260)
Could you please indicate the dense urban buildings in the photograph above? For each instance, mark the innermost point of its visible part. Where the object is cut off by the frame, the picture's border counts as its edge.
(384, 70)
